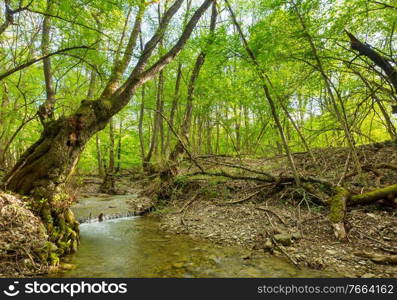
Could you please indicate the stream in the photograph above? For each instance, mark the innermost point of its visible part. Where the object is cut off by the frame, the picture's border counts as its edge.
(136, 247)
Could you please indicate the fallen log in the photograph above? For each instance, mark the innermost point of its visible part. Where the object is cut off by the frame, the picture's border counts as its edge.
(337, 212)
(389, 193)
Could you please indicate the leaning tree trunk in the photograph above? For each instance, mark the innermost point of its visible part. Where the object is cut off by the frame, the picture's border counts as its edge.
(44, 169)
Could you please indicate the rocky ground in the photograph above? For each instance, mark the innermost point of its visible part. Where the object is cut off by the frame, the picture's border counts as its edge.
(304, 237)
(289, 222)
(279, 219)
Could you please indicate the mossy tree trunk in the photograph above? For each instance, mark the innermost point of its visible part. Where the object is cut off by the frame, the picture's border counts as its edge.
(44, 169)
(343, 198)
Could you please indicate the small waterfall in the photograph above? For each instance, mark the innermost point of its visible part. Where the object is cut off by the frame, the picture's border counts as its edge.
(103, 217)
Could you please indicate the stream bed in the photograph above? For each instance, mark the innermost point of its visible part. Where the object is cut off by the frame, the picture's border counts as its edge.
(136, 247)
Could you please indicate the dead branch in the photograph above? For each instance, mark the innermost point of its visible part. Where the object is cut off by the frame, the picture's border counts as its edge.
(180, 140)
(273, 213)
(243, 199)
(186, 205)
(378, 258)
(242, 168)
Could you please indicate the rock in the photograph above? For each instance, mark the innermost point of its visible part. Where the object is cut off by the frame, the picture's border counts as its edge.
(65, 266)
(296, 235)
(178, 265)
(316, 263)
(283, 238)
(331, 252)
(368, 275)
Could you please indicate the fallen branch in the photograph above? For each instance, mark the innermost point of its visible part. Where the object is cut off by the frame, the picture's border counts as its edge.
(337, 212)
(243, 199)
(388, 248)
(378, 258)
(224, 174)
(273, 213)
(281, 248)
(243, 168)
(187, 204)
(388, 192)
(278, 245)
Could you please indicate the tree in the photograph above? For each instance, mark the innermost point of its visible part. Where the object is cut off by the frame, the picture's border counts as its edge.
(45, 167)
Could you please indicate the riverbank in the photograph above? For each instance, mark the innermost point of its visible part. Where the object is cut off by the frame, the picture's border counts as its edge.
(307, 239)
(288, 222)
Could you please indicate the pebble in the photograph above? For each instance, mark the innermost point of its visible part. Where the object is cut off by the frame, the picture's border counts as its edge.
(178, 265)
(368, 275)
(283, 238)
(331, 252)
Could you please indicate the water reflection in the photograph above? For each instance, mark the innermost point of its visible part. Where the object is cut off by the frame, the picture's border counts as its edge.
(136, 247)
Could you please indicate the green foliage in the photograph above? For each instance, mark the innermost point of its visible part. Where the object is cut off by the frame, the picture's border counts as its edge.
(230, 111)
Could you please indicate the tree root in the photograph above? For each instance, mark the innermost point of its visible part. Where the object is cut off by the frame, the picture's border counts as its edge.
(340, 197)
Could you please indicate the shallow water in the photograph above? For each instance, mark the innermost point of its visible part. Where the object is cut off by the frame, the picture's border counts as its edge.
(136, 247)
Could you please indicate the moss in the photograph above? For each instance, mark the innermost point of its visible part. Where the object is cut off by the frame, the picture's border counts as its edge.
(46, 214)
(75, 246)
(106, 104)
(374, 195)
(72, 234)
(55, 234)
(69, 216)
(64, 247)
(338, 205)
(60, 197)
(54, 259)
(51, 247)
(62, 223)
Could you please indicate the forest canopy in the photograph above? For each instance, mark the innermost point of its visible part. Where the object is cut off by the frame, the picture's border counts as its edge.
(325, 92)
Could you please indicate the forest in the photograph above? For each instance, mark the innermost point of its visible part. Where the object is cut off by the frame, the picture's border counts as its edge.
(266, 125)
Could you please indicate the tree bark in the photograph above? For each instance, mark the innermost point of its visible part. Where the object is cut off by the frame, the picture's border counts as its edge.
(108, 186)
(174, 104)
(119, 142)
(267, 93)
(379, 60)
(45, 167)
(187, 119)
(101, 171)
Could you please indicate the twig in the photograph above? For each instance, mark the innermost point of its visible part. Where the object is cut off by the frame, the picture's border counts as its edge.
(273, 213)
(187, 204)
(243, 199)
(243, 168)
(285, 253)
(345, 169)
(180, 140)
